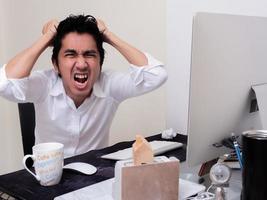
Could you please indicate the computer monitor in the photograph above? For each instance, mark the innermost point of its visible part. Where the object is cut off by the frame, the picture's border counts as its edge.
(229, 55)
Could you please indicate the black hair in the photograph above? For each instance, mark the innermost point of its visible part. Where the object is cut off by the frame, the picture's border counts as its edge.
(80, 24)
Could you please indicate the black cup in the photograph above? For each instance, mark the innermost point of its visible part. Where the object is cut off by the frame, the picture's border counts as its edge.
(254, 156)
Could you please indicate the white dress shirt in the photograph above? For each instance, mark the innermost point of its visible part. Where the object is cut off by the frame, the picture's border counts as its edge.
(86, 127)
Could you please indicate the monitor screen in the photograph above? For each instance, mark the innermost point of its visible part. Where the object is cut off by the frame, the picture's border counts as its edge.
(229, 56)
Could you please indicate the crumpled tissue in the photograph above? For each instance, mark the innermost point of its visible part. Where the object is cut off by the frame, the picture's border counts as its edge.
(168, 134)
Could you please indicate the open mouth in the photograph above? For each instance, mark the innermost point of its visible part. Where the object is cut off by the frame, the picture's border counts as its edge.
(81, 77)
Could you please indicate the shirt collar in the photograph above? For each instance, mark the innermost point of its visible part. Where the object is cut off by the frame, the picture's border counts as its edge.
(58, 89)
(97, 90)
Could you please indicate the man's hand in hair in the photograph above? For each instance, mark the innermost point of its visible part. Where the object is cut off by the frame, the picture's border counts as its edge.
(103, 29)
(50, 29)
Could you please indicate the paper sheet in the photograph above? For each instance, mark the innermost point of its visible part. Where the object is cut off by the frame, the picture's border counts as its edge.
(261, 95)
(98, 191)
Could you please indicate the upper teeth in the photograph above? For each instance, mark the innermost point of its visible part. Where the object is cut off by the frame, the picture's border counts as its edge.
(80, 75)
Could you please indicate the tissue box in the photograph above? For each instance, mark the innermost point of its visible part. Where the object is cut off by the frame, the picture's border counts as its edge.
(159, 180)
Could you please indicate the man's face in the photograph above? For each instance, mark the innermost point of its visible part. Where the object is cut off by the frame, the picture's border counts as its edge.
(79, 65)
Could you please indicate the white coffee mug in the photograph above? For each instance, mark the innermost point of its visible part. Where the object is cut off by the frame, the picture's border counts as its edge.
(48, 161)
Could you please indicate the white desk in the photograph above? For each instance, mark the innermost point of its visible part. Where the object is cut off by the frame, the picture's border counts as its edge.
(103, 190)
(234, 190)
(235, 185)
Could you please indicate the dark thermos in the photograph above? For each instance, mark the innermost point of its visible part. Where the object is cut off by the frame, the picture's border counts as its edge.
(254, 156)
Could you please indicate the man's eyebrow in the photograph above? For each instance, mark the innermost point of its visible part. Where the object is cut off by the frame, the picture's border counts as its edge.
(84, 52)
(90, 52)
(70, 51)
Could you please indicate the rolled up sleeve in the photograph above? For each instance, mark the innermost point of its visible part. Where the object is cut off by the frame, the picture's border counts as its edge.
(139, 80)
(12, 89)
(28, 89)
(153, 73)
(3, 78)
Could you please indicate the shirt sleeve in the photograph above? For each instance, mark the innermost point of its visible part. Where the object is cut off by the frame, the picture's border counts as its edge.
(3, 78)
(28, 89)
(138, 81)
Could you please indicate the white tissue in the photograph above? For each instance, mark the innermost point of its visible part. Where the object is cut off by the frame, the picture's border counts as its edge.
(168, 134)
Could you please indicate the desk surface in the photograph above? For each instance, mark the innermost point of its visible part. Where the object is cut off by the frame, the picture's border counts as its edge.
(22, 185)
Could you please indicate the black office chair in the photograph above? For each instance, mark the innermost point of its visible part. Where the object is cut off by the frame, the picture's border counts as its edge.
(27, 125)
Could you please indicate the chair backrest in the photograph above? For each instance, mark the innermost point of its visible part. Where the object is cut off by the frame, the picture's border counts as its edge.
(27, 125)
